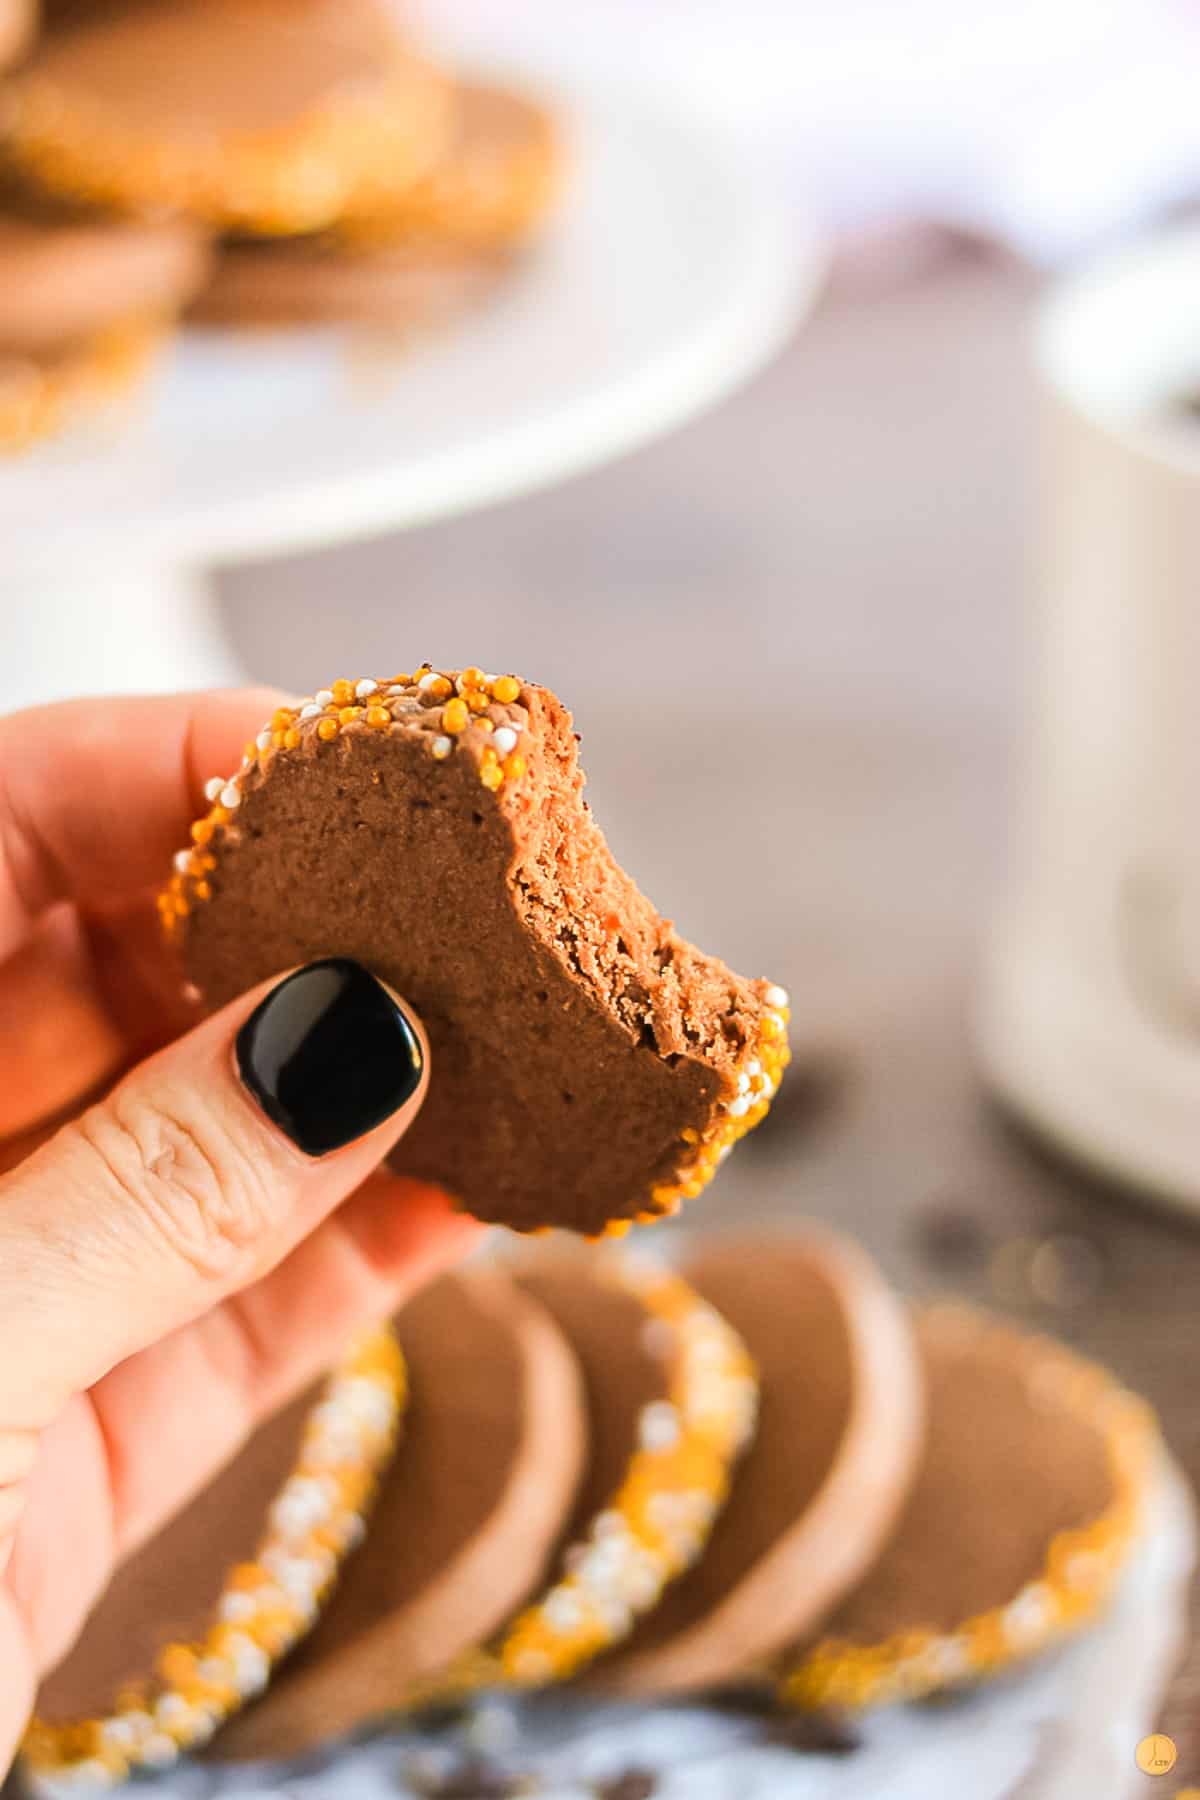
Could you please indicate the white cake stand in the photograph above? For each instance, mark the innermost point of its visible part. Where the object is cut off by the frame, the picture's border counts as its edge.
(672, 275)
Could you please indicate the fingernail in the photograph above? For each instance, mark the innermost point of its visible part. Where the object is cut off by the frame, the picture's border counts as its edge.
(329, 1054)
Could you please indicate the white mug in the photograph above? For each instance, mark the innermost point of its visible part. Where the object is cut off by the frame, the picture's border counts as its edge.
(1090, 1017)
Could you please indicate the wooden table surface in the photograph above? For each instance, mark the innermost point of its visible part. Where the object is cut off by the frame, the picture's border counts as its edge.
(793, 636)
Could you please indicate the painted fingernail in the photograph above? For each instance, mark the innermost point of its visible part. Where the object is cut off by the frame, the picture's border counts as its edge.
(329, 1054)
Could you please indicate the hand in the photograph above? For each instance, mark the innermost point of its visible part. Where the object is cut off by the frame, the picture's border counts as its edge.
(173, 1264)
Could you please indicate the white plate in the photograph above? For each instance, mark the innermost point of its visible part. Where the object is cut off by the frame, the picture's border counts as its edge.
(671, 275)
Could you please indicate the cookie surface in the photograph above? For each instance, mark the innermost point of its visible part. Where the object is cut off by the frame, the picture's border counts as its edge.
(402, 288)
(487, 191)
(63, 282)
(820, 1487)
(433, 827)
(18, 22)
(465, 1522)
(259, 115)
(192, 1622)
(1025, 1505)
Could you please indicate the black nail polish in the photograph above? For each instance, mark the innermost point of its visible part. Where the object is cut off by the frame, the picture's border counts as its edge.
(329, 1055)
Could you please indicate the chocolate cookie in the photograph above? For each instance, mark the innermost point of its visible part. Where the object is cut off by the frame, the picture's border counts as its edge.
(489, 189)
(820, 1487)
(83, 306)
(671, 1401)
(465, 1522)
(403, 288)
(588, 1065)
(1024, 1509)
(255, 115)
(192, 1623)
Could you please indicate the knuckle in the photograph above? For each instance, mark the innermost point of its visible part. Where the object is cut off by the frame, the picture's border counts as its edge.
(184, 1179)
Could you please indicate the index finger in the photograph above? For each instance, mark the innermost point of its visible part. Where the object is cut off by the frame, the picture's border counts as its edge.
(96, 795)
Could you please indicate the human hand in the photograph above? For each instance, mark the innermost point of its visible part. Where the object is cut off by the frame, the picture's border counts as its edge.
(173, 1264)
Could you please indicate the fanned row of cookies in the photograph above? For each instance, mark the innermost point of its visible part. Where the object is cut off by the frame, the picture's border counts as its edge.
(759, 1469)
(246, 162)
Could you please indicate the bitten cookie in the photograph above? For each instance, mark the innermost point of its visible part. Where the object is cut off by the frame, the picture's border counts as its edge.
(820, 1487)
(83, 305)
(466, 1520)
(255, 115)
(1026, 1505)
(588, 1065)
(192, 1623)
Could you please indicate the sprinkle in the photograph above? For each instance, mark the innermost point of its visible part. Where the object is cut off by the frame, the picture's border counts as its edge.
(776, 996)
(514, 766)
(263, 741)
(231, 795)
(658, 1426)
(324, 698)
(491, 775)
(471, 678)
(310, 711)
(506, 689)
(455, 717)
(202, 831)
(442, 746)
(342, 692)
(435, 684)
(183, 861)
(365, 687)
(505, 739)
(327, 729)
(291, 738)
(378, 718)
(213, 788)
(281, 718)
(348, 714)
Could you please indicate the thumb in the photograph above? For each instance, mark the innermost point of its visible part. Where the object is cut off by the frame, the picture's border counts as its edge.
(197, 1174)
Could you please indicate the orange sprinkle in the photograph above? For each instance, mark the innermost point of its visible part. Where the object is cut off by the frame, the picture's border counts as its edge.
(250, 751)
(202, 890)
(455, 716)
(378, 718)
(202, 831)
(343, 692)
(291, 738)
(277, 739)
(281, 718)
(471, 678)
(327, 729)
(348, 714)
(440, 688)
(506, 688)
(514, 766)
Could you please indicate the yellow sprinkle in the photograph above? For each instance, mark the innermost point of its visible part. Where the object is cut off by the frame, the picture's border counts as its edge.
(471, 678)
(514, 766)
(291, 738)
(343, 692)
(455, 716)
(202, 831)
(506, 688)
(378, 718)
(491, 775)
(202, 890)
(281, 718)
(327, 729)
(348, 714)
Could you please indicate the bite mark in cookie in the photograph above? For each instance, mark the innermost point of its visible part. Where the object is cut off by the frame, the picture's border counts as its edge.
(589, 1067)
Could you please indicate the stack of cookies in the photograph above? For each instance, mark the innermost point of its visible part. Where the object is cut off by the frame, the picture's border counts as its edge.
(247, 161)
(759, 1467)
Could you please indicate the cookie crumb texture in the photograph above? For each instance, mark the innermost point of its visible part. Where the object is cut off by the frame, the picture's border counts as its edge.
(589, 1067)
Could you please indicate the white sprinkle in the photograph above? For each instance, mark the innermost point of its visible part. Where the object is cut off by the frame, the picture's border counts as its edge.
(127, 1730)
(159, 1751)
(172, 1710)
(754, 1067)
(182, 860)
(442, 746)
(363, 688)
(263, 740)
(743, 1084)
(427, 681)
(491, 1727)
(562, 1610)
(310, 711)
(776, 996)
(303, 1504)
(231, 795)
(324, 698)
(213, 787)
(739, 1107)
(609, 1527)
(505, 739)
(658, 1426)
(236, 1608)
(1026, 1620)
